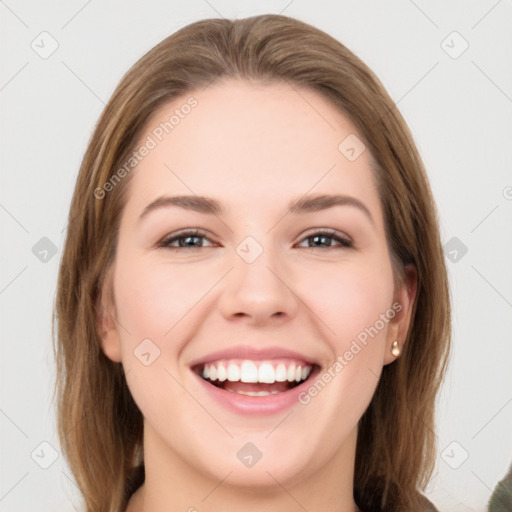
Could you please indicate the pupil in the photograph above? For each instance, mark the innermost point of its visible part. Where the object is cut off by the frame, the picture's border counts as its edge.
(316, 238)
(188, 238)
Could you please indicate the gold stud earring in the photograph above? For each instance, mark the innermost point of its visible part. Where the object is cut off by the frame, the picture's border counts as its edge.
(394, 349)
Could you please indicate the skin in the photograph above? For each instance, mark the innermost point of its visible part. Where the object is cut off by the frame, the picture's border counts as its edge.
(254, 148)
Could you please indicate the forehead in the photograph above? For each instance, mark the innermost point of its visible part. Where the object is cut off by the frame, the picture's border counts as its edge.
(250, 144)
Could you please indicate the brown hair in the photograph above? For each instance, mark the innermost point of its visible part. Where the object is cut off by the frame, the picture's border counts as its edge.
(100, 427)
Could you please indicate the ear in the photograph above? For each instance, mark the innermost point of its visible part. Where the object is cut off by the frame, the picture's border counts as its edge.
(107, 324)
(399, 325)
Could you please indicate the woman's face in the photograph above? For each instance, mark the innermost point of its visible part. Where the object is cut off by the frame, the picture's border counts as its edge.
(255, 281)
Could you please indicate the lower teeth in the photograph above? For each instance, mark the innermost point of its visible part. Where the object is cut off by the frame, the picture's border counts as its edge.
(254, 393)
(220, 385)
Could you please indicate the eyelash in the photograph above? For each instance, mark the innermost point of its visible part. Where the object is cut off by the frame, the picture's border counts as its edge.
(345, 242)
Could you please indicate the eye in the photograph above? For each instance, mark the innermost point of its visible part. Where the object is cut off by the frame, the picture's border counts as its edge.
(321, 235)
(191, 239)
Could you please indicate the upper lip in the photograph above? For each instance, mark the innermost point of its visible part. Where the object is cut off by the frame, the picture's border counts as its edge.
(253, 353)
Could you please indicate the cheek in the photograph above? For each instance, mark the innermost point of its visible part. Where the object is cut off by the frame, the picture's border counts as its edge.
(153, 298)
(349, 299)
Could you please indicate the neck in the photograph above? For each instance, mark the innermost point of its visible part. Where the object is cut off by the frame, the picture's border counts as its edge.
(172, 483)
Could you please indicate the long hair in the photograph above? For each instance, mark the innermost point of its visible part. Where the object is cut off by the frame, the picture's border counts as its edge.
(100, 427)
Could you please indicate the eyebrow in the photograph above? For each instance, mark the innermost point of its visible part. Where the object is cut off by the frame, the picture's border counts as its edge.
(304, 204)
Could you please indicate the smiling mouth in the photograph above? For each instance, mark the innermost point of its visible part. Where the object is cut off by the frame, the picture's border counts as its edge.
(256, 378)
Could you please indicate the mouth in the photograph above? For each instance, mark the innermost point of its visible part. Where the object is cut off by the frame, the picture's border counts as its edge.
(256, 378)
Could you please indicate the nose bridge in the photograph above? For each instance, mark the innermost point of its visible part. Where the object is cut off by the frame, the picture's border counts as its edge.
(257, 286)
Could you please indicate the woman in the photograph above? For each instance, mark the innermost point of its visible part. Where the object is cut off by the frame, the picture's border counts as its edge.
(253, 309)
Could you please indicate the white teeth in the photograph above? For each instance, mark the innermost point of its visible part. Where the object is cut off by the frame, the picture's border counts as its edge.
(222, 374)
(233, 372)
(281, 374)
(255, 393)
(291, 372)
(248, 371)
(266, 373)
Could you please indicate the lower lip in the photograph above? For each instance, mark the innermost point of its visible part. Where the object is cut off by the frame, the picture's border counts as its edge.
(262, 405)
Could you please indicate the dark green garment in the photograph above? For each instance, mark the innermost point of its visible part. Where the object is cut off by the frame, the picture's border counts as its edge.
(501, 499)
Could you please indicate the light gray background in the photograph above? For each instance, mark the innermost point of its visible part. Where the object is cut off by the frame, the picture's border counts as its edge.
(459, 110)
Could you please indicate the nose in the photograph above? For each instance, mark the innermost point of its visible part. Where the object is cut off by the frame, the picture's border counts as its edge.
(260, 292)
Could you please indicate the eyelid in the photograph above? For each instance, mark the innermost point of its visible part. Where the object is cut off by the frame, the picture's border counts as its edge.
(330, 231)
(167, 239)
(344, 239)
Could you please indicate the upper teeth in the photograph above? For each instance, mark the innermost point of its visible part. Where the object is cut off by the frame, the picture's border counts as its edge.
(248, 371)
